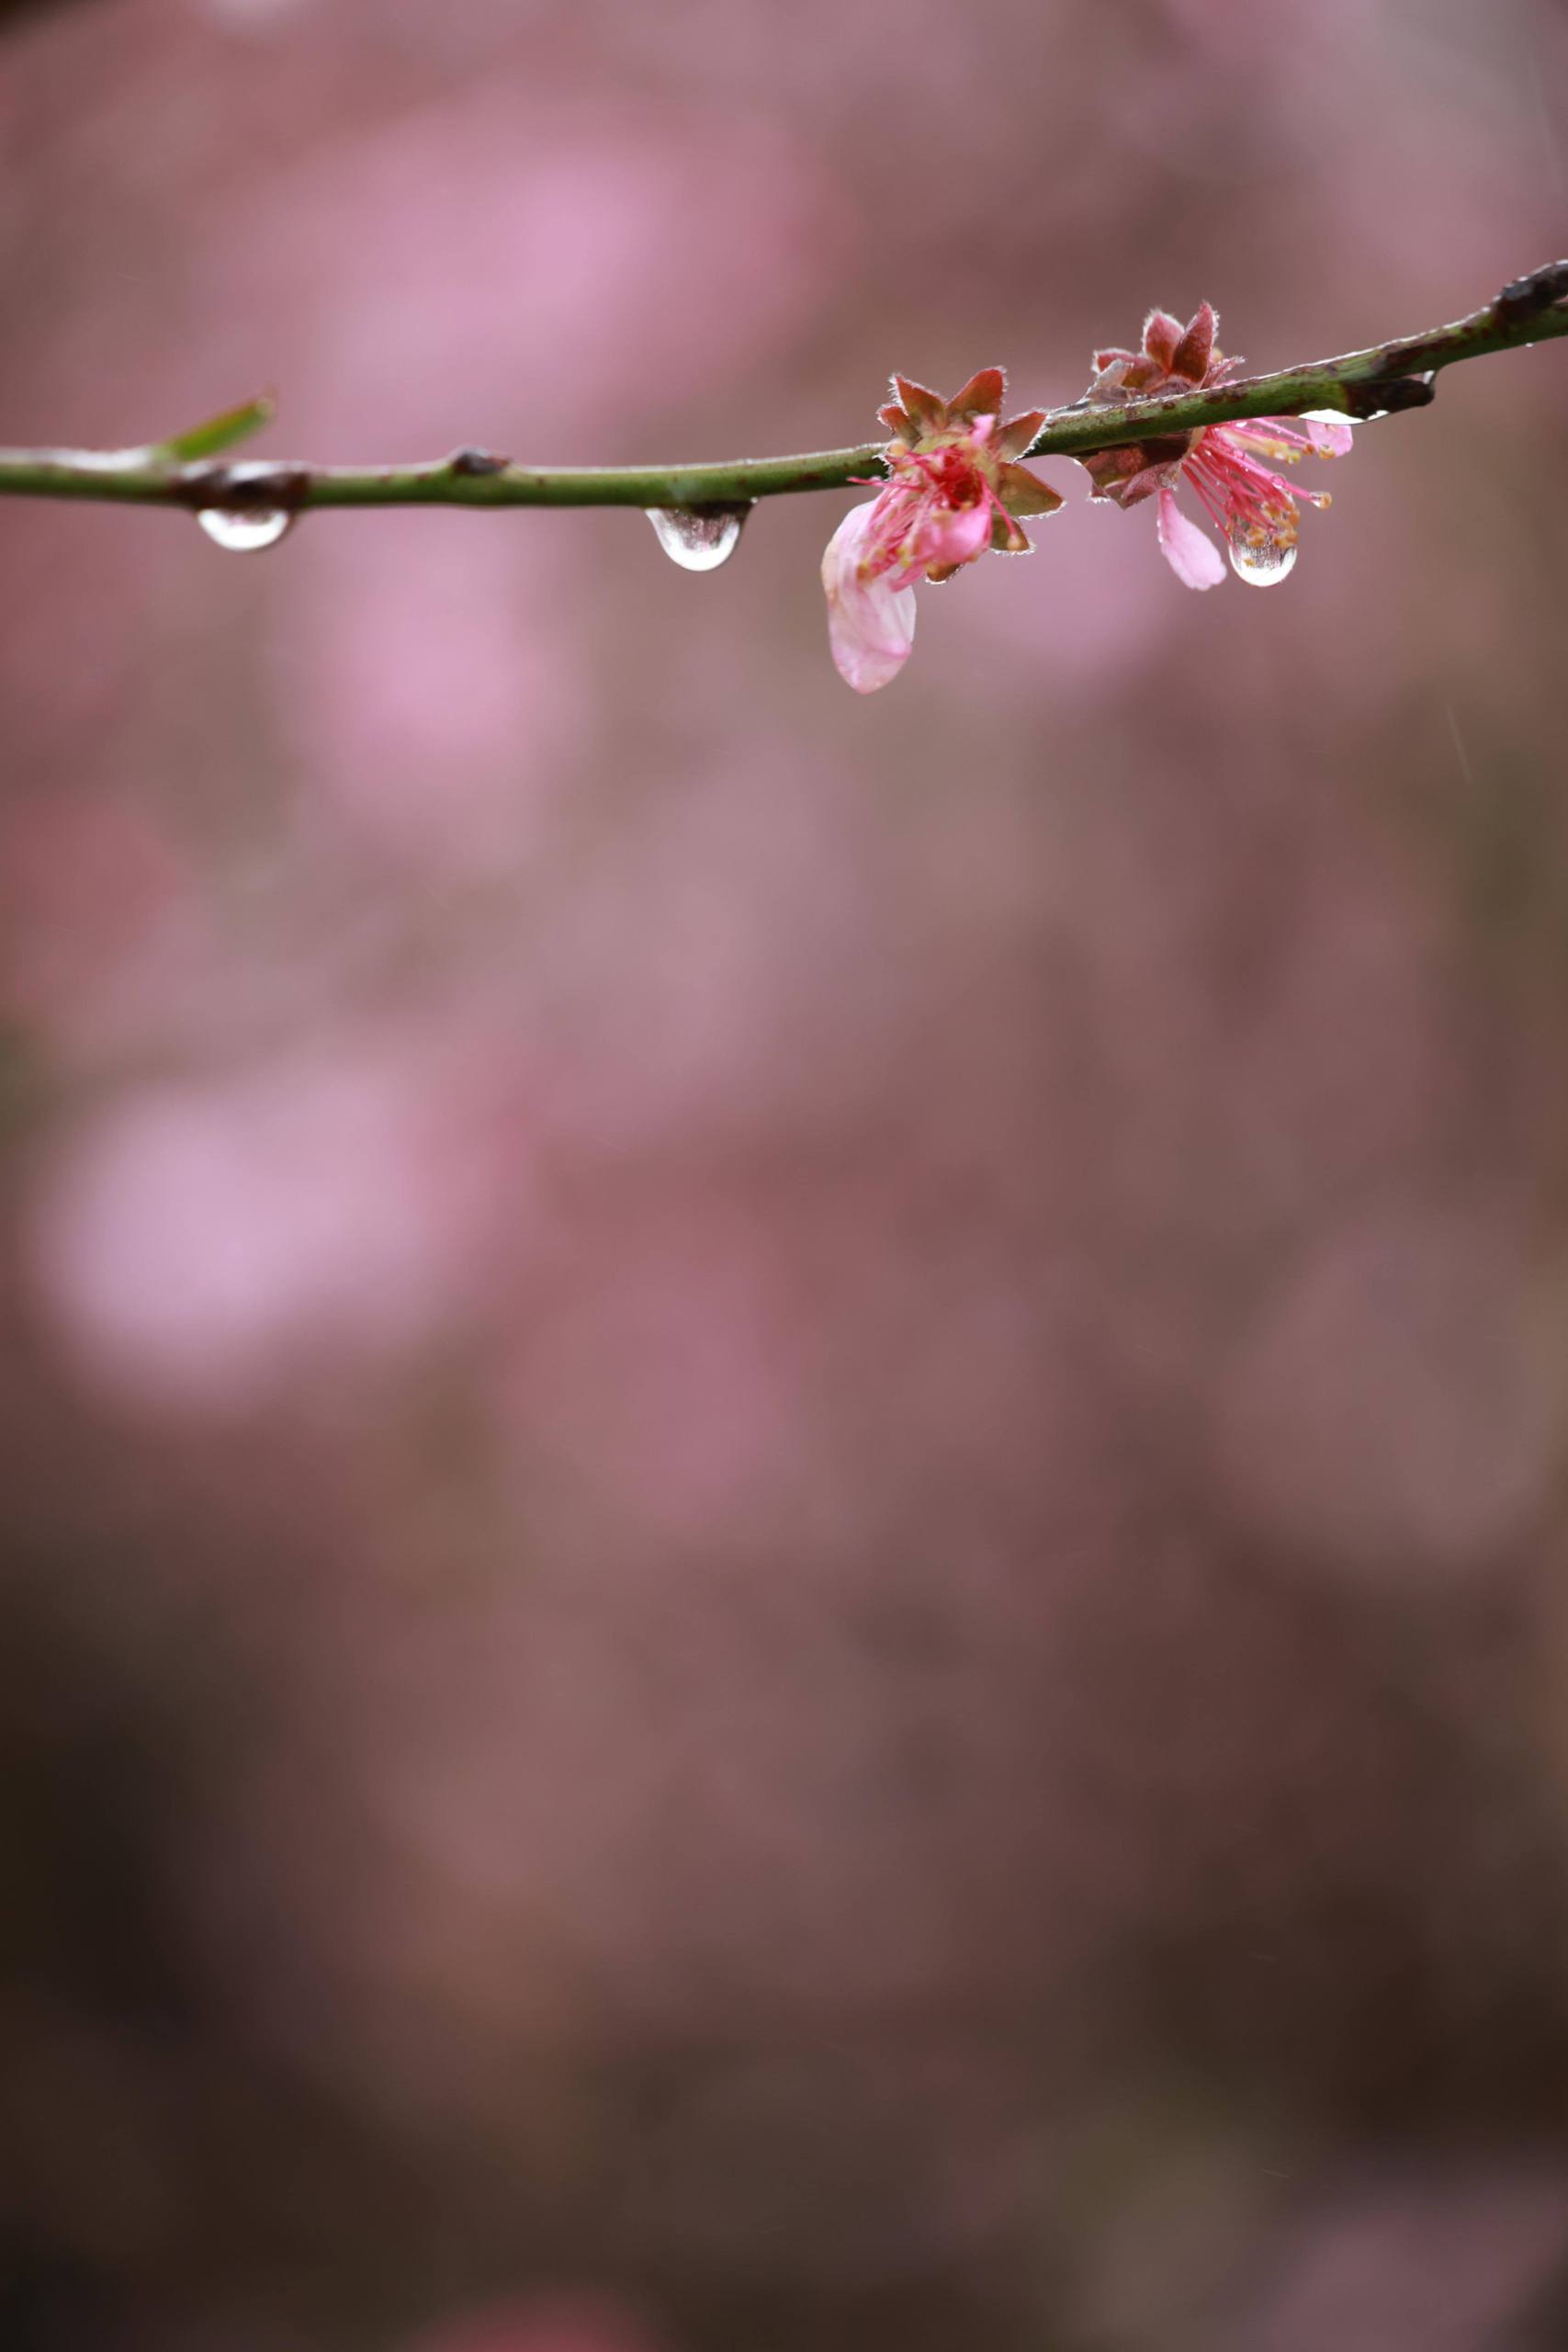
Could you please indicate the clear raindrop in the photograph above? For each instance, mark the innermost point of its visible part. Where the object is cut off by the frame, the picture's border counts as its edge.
(1262, 560)
(242, 529)
(699, 538)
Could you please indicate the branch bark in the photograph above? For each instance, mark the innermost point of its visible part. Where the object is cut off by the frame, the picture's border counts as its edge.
(188, 471)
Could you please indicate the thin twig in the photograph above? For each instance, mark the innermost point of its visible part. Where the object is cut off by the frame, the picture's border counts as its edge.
(186, 472)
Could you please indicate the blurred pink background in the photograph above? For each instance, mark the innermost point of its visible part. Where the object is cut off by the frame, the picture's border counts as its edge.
(785, 1504)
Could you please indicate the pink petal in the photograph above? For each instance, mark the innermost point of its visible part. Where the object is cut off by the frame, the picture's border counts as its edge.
(1191, 553)
(953, 536)
(870, 621)
(1336, 439)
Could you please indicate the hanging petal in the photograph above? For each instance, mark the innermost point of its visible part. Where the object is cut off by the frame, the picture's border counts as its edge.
(1191, 553)
(870, 618)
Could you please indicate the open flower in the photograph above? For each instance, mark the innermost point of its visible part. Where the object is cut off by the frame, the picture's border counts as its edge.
(955, 490)
(1228, 467)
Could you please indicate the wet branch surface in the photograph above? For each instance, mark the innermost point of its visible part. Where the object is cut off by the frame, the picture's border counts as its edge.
(190, 472)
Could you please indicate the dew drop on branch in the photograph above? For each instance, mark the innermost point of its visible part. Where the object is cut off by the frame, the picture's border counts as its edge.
(699, 538)
(243, 529)
(1261, 561)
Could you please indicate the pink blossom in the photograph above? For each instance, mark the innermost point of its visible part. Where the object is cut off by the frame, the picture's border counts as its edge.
(1252, 504)
(954, 488)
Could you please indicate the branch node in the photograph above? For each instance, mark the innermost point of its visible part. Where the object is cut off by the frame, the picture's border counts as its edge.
(1523, 297)
(1366, 400)
(245, 488)
(476, 461)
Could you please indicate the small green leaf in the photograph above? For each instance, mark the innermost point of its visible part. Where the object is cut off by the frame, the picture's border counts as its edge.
(219, 432)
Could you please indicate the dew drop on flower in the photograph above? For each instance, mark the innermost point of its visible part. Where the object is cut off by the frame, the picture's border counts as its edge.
(1261, 561)
(699, 538)
(243, 529)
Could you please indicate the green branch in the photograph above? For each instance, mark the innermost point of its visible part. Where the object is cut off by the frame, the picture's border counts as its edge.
(190, 471)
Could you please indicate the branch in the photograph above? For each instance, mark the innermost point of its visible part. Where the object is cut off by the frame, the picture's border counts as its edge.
(183, 472)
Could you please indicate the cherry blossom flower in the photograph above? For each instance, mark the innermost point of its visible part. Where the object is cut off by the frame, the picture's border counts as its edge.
(955, 490)
(1228, 467)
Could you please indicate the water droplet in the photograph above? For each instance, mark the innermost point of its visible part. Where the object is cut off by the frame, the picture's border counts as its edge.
(246, 506)
(1261, 561)
(699, 538)
(243, 528)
